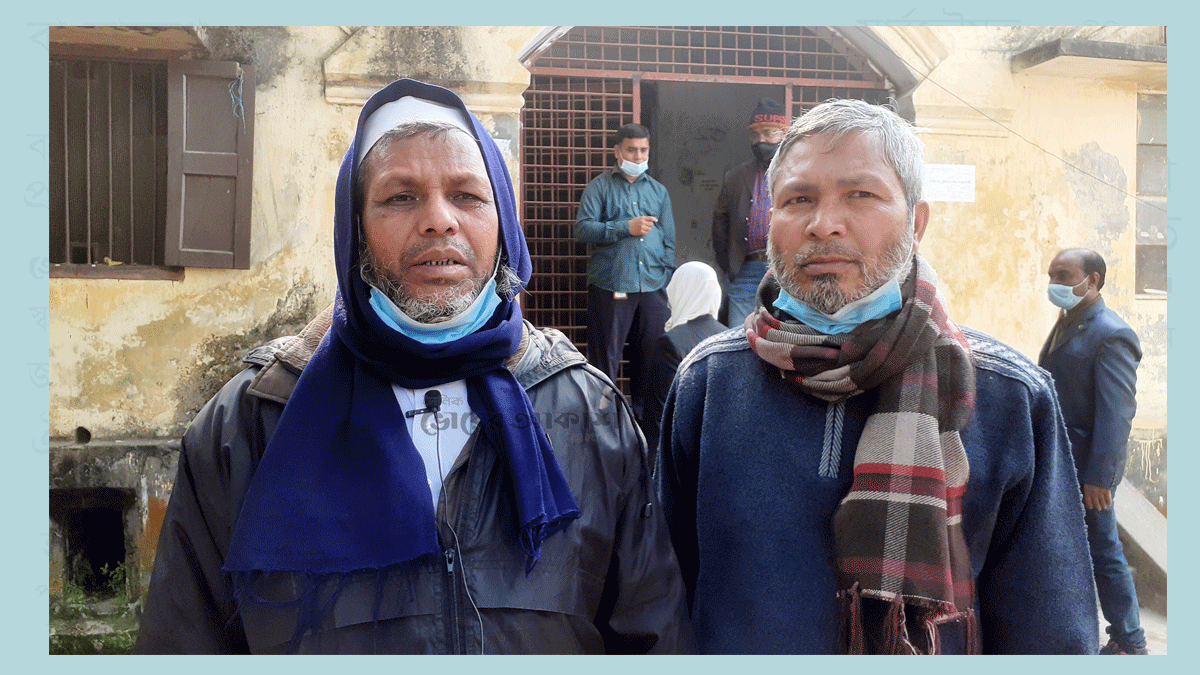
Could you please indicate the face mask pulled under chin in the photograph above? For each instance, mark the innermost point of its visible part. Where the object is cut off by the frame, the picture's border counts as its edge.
(632, 169)
(462, 324)
(881, 302)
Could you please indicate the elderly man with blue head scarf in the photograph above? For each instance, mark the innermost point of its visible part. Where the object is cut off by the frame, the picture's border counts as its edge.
(420, 470)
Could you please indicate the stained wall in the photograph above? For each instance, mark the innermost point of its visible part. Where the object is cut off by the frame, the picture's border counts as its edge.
(1055, 162)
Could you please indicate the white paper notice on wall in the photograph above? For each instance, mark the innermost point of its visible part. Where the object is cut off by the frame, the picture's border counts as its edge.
(949, 182)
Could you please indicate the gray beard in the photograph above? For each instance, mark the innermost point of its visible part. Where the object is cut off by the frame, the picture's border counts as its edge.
(443, 305)
(439, 307)
(826, 294)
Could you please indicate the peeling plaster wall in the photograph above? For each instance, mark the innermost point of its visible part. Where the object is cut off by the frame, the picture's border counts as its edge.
(471, 60)
(1056, 169)
(137, 359)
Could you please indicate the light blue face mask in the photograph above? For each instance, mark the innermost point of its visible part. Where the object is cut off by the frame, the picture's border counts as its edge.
(634, 170)
(883, 301)
(1064, 296)
(466, 322)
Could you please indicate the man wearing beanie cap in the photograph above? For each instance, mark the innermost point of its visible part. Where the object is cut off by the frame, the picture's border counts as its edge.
(742, 214)
(420, 470)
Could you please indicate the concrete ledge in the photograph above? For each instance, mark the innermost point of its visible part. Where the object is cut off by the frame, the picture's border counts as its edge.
(1066, 57)
(114, 464)
(1143, 532)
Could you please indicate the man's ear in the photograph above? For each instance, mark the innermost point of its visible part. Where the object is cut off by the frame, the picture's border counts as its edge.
(920, 221)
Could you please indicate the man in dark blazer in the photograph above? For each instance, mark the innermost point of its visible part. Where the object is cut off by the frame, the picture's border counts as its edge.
(1093, 356)
(742, 214)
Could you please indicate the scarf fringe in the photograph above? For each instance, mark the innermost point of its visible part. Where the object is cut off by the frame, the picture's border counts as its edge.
(852, 628)
(533, 534)
(375, 611)
(894, 638)
(895, 632)
(310, 610)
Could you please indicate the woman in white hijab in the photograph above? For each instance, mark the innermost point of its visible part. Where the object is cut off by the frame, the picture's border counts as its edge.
(695, 296)
(693, 292)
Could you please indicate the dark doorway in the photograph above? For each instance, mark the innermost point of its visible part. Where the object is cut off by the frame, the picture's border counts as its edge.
(694, 87)
(92, 522)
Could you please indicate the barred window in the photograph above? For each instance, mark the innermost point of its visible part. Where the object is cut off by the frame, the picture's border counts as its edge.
(150, 163)
(1151, 213)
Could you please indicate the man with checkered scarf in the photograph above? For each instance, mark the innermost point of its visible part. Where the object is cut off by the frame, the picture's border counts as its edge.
(851, 471)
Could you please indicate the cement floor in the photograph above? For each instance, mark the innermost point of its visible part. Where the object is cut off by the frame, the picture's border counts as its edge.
(1154, 624)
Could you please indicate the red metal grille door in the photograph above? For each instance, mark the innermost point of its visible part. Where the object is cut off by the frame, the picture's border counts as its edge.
(591, 80)
(568, 123)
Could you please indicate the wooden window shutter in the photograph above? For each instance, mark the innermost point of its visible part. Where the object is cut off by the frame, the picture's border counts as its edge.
(210, 139)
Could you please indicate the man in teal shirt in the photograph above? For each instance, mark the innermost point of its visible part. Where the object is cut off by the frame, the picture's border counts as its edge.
(626, 216)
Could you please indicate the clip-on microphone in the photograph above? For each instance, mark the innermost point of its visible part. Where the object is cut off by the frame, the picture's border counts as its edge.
(433, 403)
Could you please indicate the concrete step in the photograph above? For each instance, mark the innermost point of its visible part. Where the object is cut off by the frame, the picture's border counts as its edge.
(1154, 624)
(1143, 532)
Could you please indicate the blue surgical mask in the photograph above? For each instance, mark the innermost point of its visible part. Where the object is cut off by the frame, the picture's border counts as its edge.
(633, 170)
(1064, 296)
(883, 301)
(464, 323)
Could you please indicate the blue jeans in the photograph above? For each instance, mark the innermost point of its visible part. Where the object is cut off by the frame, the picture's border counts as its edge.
(1114, 583)
(742, 290)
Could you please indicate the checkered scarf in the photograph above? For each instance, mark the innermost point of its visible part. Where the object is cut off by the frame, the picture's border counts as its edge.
(898, 533)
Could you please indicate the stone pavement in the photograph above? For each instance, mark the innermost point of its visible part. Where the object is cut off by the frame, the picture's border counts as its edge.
(1154, 624)
(1144, 538)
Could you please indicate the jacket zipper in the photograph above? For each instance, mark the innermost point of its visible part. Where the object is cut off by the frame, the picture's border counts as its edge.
(456, 636)
(452, 627)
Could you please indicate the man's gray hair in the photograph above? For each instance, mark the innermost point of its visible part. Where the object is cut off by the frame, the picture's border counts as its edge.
(401, 131)
(835, 118)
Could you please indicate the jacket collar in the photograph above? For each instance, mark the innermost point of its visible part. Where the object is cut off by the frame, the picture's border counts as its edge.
(1069, 329)
(1080, 311)
(547, 351)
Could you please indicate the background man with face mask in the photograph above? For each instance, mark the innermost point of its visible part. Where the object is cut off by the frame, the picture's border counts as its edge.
(626, 216)
(420, 470)
(1093, 356)
(740, 218)
(853, 472)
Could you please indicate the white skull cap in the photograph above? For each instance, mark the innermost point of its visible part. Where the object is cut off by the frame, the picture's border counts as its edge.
(389, 115)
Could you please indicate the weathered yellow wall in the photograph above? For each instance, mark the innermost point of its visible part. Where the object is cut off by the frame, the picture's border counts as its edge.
(139, 358)
(1037, 189)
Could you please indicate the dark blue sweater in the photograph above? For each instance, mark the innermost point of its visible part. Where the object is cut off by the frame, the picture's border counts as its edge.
(751, 471)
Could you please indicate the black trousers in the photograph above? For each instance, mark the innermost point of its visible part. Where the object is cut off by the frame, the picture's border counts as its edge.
(639, 317)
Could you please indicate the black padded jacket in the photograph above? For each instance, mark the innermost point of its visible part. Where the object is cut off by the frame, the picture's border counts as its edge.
(609, 583)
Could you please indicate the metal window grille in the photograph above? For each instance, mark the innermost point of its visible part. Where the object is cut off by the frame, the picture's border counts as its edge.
(794, 53)
(107, 161)
(567, 124)
(1151, 246)
(586, 84)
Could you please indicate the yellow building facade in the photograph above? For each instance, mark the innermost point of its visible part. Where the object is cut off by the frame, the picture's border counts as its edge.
(1050, 139)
